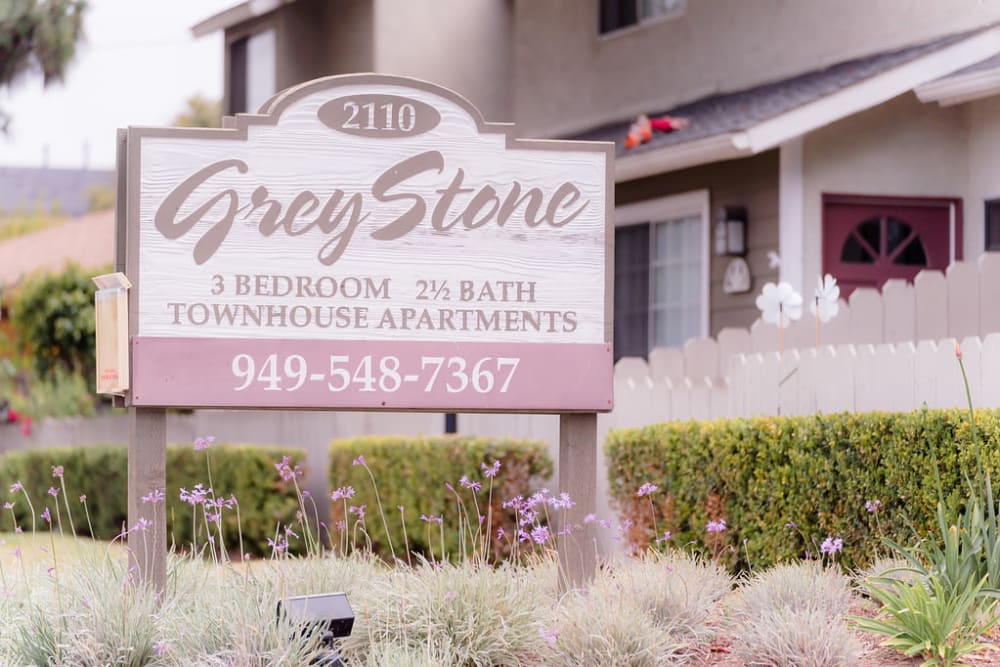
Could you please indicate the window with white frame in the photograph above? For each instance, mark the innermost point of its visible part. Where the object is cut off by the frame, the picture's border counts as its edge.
(251, 71)
(661, 273)
(618, 14)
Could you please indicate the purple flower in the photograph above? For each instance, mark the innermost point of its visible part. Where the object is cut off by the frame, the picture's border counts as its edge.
(212, 517)
(343, 493)
(278, 547)
(57, 471)
(159, 648)
(540, 534)
(431, 519)
(604, 523)
(341, 526)
(400, 508)
(46, 515)
(590, 518)
(53, 491)
(490, 471)
(83, 498)
(562, 502)
(647, 489)
(155, 496)
(500, 533)
(791, 524)
(551, 636)
(142, 524)
(289, 531)
(831, 546)
(465, 482)
(196, 496)
(8, 506)
(515, 503)
(716, 526)
(358, 511)
(203, 443)
(873, 505)
(16, 486)
(666, 537)
(360, 461)
(285, 469)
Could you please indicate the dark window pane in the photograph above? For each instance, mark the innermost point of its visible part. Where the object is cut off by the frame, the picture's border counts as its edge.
(854, 253)
(897, 231)
(993, 225)
(912, 255)
(632, 291)
(871, 232)
(617, 14)
(237, 77)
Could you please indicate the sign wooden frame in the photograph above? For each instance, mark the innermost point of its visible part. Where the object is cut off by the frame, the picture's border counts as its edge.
(573, 379)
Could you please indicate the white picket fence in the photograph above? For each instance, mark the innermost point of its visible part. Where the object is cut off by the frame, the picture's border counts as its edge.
(964, 301)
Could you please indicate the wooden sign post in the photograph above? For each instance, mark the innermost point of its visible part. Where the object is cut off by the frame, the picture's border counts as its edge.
(367, 242)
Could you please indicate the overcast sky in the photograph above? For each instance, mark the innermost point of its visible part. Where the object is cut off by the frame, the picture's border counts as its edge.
(138, 65)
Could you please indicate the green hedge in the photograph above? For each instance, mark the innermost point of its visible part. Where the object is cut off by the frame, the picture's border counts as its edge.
(412, 472)
(762, 475)
(100, 473)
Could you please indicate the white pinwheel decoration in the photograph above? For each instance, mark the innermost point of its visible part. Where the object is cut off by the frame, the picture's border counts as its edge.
(826, 303)
(779, 304)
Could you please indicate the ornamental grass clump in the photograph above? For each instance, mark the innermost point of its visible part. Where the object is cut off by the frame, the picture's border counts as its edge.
(678, 590)
(601, 629)
(790, 615)
(469, 612)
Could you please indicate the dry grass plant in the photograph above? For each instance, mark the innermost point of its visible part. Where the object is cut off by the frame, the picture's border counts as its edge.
(471, 613)
(599, 628)
(791, 616)
(677, 589)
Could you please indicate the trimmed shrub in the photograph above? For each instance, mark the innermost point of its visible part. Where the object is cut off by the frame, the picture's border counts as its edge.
(784, 484)
(100, 473)
(412, 472)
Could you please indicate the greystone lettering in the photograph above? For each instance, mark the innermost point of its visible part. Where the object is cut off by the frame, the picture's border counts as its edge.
(343, 212)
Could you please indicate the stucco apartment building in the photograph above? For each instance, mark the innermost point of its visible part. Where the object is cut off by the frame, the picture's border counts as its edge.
(859, 138)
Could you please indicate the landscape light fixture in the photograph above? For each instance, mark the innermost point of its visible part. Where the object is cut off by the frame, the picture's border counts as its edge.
(731, 231)
(328, 614)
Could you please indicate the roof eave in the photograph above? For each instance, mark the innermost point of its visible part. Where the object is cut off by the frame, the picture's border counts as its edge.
(240, 13)
(952, 90)
(845, 102)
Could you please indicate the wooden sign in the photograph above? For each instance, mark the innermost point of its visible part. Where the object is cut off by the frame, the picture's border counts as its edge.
(369, 242)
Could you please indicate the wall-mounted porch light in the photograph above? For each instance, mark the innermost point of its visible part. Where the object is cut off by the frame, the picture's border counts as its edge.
(731, 230)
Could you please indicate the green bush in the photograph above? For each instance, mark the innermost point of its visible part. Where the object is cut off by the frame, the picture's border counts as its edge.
(784, 484)
(53, 316)
(100, 473)
(411, 472)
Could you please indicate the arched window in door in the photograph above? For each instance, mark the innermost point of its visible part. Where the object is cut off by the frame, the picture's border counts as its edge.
(868, 240)
(884, 240)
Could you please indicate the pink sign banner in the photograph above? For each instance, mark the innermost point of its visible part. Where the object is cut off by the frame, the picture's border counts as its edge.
(391, 375)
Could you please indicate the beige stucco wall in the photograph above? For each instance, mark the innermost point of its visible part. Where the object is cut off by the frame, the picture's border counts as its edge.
(464, 45)
(901, 148)
(751, 183)
(568, 78)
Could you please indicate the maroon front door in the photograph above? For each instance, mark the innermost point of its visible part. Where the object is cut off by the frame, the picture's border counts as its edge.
(869, 240)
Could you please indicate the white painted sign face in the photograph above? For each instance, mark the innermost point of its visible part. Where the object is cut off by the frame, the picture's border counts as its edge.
(368, 242)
